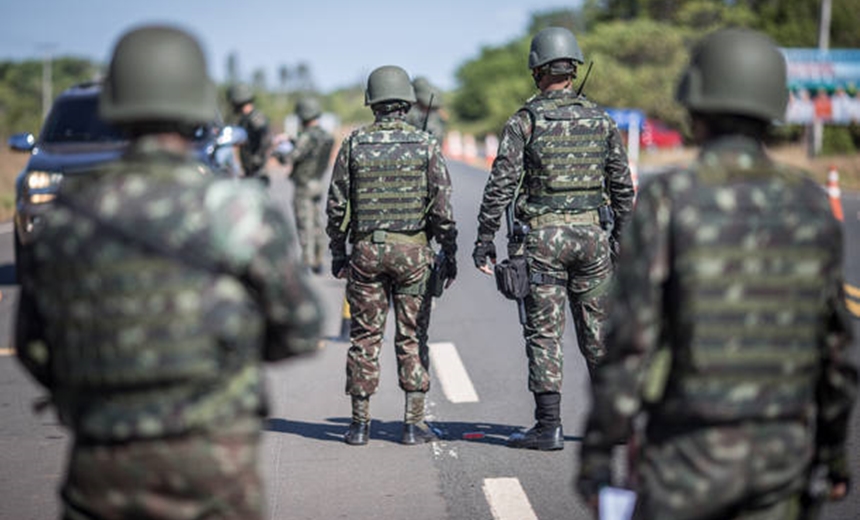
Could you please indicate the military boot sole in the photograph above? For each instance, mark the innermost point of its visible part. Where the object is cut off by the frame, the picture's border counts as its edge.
(417, 434)
(357, 434)
(549, 440)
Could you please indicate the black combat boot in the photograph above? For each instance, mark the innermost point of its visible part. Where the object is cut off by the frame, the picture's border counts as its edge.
(359, 429)
(547, 434)
(415, 429)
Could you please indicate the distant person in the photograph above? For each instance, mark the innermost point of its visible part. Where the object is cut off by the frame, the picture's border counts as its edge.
(390, 194)
(255, 152)
(566, 154)
(729, 369)
(427, 112)
(307, 163)
(153, 295)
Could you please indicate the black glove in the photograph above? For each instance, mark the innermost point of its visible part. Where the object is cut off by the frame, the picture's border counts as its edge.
(449, 268)
(484, 249)
(338, 264)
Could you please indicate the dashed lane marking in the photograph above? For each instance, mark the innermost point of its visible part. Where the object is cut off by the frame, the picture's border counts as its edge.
(507, 499)
(452, 375)
(7, 351)
(852, 291)
(853, 306)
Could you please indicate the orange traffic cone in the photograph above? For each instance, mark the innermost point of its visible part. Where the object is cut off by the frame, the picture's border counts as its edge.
(491, 148)
(346, 318)
(835, 194)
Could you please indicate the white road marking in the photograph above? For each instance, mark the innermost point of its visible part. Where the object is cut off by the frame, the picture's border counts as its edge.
(7, 352)
(507, 499)
(455, 381)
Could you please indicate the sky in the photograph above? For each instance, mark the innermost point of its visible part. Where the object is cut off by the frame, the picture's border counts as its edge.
(342, 41)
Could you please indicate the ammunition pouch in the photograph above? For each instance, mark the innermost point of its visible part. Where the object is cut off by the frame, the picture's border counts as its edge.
(512, 278)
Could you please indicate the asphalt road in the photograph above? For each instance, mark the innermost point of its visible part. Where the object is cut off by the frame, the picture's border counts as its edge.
(311, 474)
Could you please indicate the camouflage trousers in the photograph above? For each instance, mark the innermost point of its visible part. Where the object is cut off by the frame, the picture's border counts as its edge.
(753, 471)
(574, 265)
(197, 477)
(381, 275)
(307, 208)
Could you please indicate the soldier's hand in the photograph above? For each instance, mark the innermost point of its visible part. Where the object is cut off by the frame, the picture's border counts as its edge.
(450, 269)
(339, 266)
(484, 249)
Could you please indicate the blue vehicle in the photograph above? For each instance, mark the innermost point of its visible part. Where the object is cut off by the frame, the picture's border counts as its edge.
(74, 139)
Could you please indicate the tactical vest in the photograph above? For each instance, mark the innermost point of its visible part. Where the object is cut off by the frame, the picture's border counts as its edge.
(312, 167)
(565, 157)
(145, 345)
(388, 167)
(750, 277)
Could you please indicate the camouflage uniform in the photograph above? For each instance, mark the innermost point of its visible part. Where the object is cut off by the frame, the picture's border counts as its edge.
(729, 368)
(255, 152)
(567, 252)
(390, 193)
(150, 298)
(310, 158)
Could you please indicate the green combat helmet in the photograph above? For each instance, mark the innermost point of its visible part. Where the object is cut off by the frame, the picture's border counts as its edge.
(388, 83)
(554, 43)
(738, 72)
(157, 73)
(424, 91)
(240, 94)
(308, 108)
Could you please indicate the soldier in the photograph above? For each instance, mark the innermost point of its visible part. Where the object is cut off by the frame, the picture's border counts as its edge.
(728, 323)
(154, 293)
(390, 193)
(567, 156)
(255, 152)
(308, 161)
(427, 113)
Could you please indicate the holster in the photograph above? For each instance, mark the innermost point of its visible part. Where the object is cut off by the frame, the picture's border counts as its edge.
(512, 277)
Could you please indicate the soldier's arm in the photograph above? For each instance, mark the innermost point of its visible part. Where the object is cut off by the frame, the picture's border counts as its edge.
(440, 214)
(292, 308)
(837, 388)
(300, 150)
(619, 182)
(504, 175)
(634, 326)
(337, 204)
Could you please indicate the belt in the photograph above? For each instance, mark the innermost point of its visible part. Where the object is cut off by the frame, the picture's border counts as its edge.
(381, 236)
(555, 219)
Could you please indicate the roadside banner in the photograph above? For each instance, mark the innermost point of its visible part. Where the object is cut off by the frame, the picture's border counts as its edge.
(823, 85)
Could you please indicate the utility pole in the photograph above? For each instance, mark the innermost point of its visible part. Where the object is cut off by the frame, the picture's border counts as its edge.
(823, 46)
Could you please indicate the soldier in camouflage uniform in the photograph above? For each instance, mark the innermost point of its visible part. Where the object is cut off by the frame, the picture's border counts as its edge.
(427, 113)
(255, 151)
(565, 156)
(308, 161)
(152, 294)
(390, 193)
(728, 325)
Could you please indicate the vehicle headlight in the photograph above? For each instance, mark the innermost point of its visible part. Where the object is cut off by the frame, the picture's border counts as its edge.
(42, 186)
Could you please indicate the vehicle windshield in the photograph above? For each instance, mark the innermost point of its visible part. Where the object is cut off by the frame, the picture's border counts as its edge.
(75, 120)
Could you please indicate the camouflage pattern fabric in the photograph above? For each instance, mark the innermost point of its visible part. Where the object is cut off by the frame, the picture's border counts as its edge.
(140, 342)
(575, 255)
(151, 479)
(734, 269)
(310, 159)
(255, 152)
(381, 272)
(436, 123)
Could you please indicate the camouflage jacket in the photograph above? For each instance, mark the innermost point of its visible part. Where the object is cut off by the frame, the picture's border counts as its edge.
(255, 151)
(509, 167)
(728, 306)
(153, 292)
(310, 156)
(438, 216)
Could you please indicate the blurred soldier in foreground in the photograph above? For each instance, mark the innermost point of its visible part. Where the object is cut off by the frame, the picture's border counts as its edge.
(255, 152)
(155, 292)
(565, 155)
(390, 193)
(728, 325)
(307, 163)
(427, 113)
